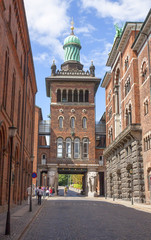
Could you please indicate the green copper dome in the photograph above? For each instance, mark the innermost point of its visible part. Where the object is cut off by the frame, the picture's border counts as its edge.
(72, 47)
(72, 39)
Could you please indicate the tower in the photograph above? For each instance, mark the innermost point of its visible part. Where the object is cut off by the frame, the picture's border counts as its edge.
(72, 92)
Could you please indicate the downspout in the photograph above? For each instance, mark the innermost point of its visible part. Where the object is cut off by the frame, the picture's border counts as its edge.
(23, 128)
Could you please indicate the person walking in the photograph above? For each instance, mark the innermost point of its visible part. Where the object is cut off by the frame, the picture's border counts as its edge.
(50, 191)
(29, 194)
(40, 192)
(65, 191)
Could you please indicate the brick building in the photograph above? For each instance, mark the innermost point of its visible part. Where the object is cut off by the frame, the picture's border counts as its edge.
(17, 100)
(127, 88)
(72, 142)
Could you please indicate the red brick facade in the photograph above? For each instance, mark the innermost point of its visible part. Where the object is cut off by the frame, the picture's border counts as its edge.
(128, 109)
(17, 100)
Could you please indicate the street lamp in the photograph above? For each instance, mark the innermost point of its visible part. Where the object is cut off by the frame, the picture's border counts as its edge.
(30, 206)
(131, 172)
(12, 133)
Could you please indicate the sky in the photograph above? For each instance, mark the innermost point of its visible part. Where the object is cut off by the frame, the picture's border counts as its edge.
(49, 24)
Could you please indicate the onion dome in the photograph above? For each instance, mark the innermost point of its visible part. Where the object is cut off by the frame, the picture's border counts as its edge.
(72, 46)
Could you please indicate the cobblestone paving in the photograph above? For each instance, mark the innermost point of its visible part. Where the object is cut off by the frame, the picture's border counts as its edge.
(20, 216)
(89, 220)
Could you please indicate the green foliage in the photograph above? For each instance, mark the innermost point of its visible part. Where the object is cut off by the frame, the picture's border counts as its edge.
(77, 186)
(63, 179)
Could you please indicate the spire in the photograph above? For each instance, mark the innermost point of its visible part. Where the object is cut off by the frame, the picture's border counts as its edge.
(72, 46)
(72, 27)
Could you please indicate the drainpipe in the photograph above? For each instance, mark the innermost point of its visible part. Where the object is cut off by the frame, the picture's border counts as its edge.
(23, 128)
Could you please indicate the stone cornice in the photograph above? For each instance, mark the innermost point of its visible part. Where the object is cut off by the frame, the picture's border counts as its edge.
(82, 79)
(132, 131)
(106, 79)
(144, 31)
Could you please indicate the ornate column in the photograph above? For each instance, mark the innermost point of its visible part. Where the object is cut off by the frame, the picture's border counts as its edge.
(91, 182)
(53, 179)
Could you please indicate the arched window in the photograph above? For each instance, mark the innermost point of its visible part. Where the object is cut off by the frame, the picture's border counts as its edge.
(81, 96)
(130, 115)
(6, 78)
(13, 97)
(75, 95)
(76, 148)
(70, 95)
(60, 122)
(86, 96)
(84, 122)
(110, 136)
(144, 72)
(18, 115)
(72, 122)
(117, 92)
(64, 95)
(59, 147)
(85, 147)
(68, 148)
(145, 107)
(43, 159)
(126, 115)
(58, 95)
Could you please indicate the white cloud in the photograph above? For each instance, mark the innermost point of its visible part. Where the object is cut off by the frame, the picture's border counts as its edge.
(88, 28)
(48, 21)
(40, 57)
(121, 10)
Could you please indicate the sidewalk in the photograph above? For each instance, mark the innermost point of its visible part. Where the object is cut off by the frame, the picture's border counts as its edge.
(138, 206)
(20, 219)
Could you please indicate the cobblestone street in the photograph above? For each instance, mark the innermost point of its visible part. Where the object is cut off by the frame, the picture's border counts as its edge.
(79, 219)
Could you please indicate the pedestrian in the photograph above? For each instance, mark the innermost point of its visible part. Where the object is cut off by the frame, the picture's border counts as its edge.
(50, 191)
(65, 191)
(39, 195)
(29, 193)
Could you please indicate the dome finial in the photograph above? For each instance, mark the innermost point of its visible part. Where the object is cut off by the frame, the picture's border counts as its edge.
(72, 27)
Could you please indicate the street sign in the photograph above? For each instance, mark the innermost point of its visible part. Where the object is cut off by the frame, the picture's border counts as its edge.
(34, 175)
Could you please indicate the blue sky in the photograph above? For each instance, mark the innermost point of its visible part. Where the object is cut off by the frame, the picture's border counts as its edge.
(49, 24)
